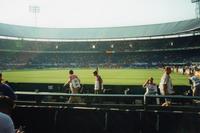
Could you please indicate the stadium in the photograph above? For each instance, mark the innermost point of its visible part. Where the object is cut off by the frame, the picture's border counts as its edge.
(35, 62)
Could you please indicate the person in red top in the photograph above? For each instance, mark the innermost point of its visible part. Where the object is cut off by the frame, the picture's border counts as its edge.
(74, 83)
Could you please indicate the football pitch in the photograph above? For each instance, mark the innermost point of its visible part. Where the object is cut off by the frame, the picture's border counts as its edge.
(109, 76)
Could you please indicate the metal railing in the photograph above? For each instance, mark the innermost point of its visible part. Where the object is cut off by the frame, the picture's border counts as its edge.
(117, 102)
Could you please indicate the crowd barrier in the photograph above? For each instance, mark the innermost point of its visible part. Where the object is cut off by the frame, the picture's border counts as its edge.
(183, 103)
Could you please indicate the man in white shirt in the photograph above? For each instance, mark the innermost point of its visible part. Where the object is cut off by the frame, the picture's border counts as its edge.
(98, 86)
(166, 87)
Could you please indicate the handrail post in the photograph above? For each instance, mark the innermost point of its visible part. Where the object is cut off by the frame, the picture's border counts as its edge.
(145, 102)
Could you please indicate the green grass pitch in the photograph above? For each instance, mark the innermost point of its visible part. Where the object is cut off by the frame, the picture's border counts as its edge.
(110, 76)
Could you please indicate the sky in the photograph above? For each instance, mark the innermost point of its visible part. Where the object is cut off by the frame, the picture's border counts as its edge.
(94, 13)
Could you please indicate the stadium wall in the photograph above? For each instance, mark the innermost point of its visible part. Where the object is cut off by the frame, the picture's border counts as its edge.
(62, 120)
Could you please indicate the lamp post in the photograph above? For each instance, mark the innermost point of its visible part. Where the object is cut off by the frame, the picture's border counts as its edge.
(35, 10)
(197, 9)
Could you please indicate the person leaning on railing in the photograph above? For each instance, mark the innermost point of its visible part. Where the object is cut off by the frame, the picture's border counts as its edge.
(151, 89)
(195, 84)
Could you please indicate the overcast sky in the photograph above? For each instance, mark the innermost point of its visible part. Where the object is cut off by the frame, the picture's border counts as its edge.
(95, 13)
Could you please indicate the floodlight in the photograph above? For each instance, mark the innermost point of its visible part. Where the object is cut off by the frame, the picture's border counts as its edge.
(35, 10)
(93, 46)
(197, 9)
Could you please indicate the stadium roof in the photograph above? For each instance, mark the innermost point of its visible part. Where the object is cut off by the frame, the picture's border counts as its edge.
(171, 28)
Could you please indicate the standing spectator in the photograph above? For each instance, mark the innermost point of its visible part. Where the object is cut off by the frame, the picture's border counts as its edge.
(166, 87)
(98, 86)
(5, 89)
(151, 88)
(74, 83)
(195, 84)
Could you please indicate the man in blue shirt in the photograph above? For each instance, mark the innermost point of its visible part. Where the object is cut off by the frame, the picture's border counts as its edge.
(195, 84)
(6, 90)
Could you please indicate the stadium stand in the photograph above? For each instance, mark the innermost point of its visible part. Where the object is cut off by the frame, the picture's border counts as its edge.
(136, 53)
(132, 46)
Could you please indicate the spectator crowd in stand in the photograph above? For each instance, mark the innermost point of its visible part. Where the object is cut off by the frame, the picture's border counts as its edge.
(17, 54)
